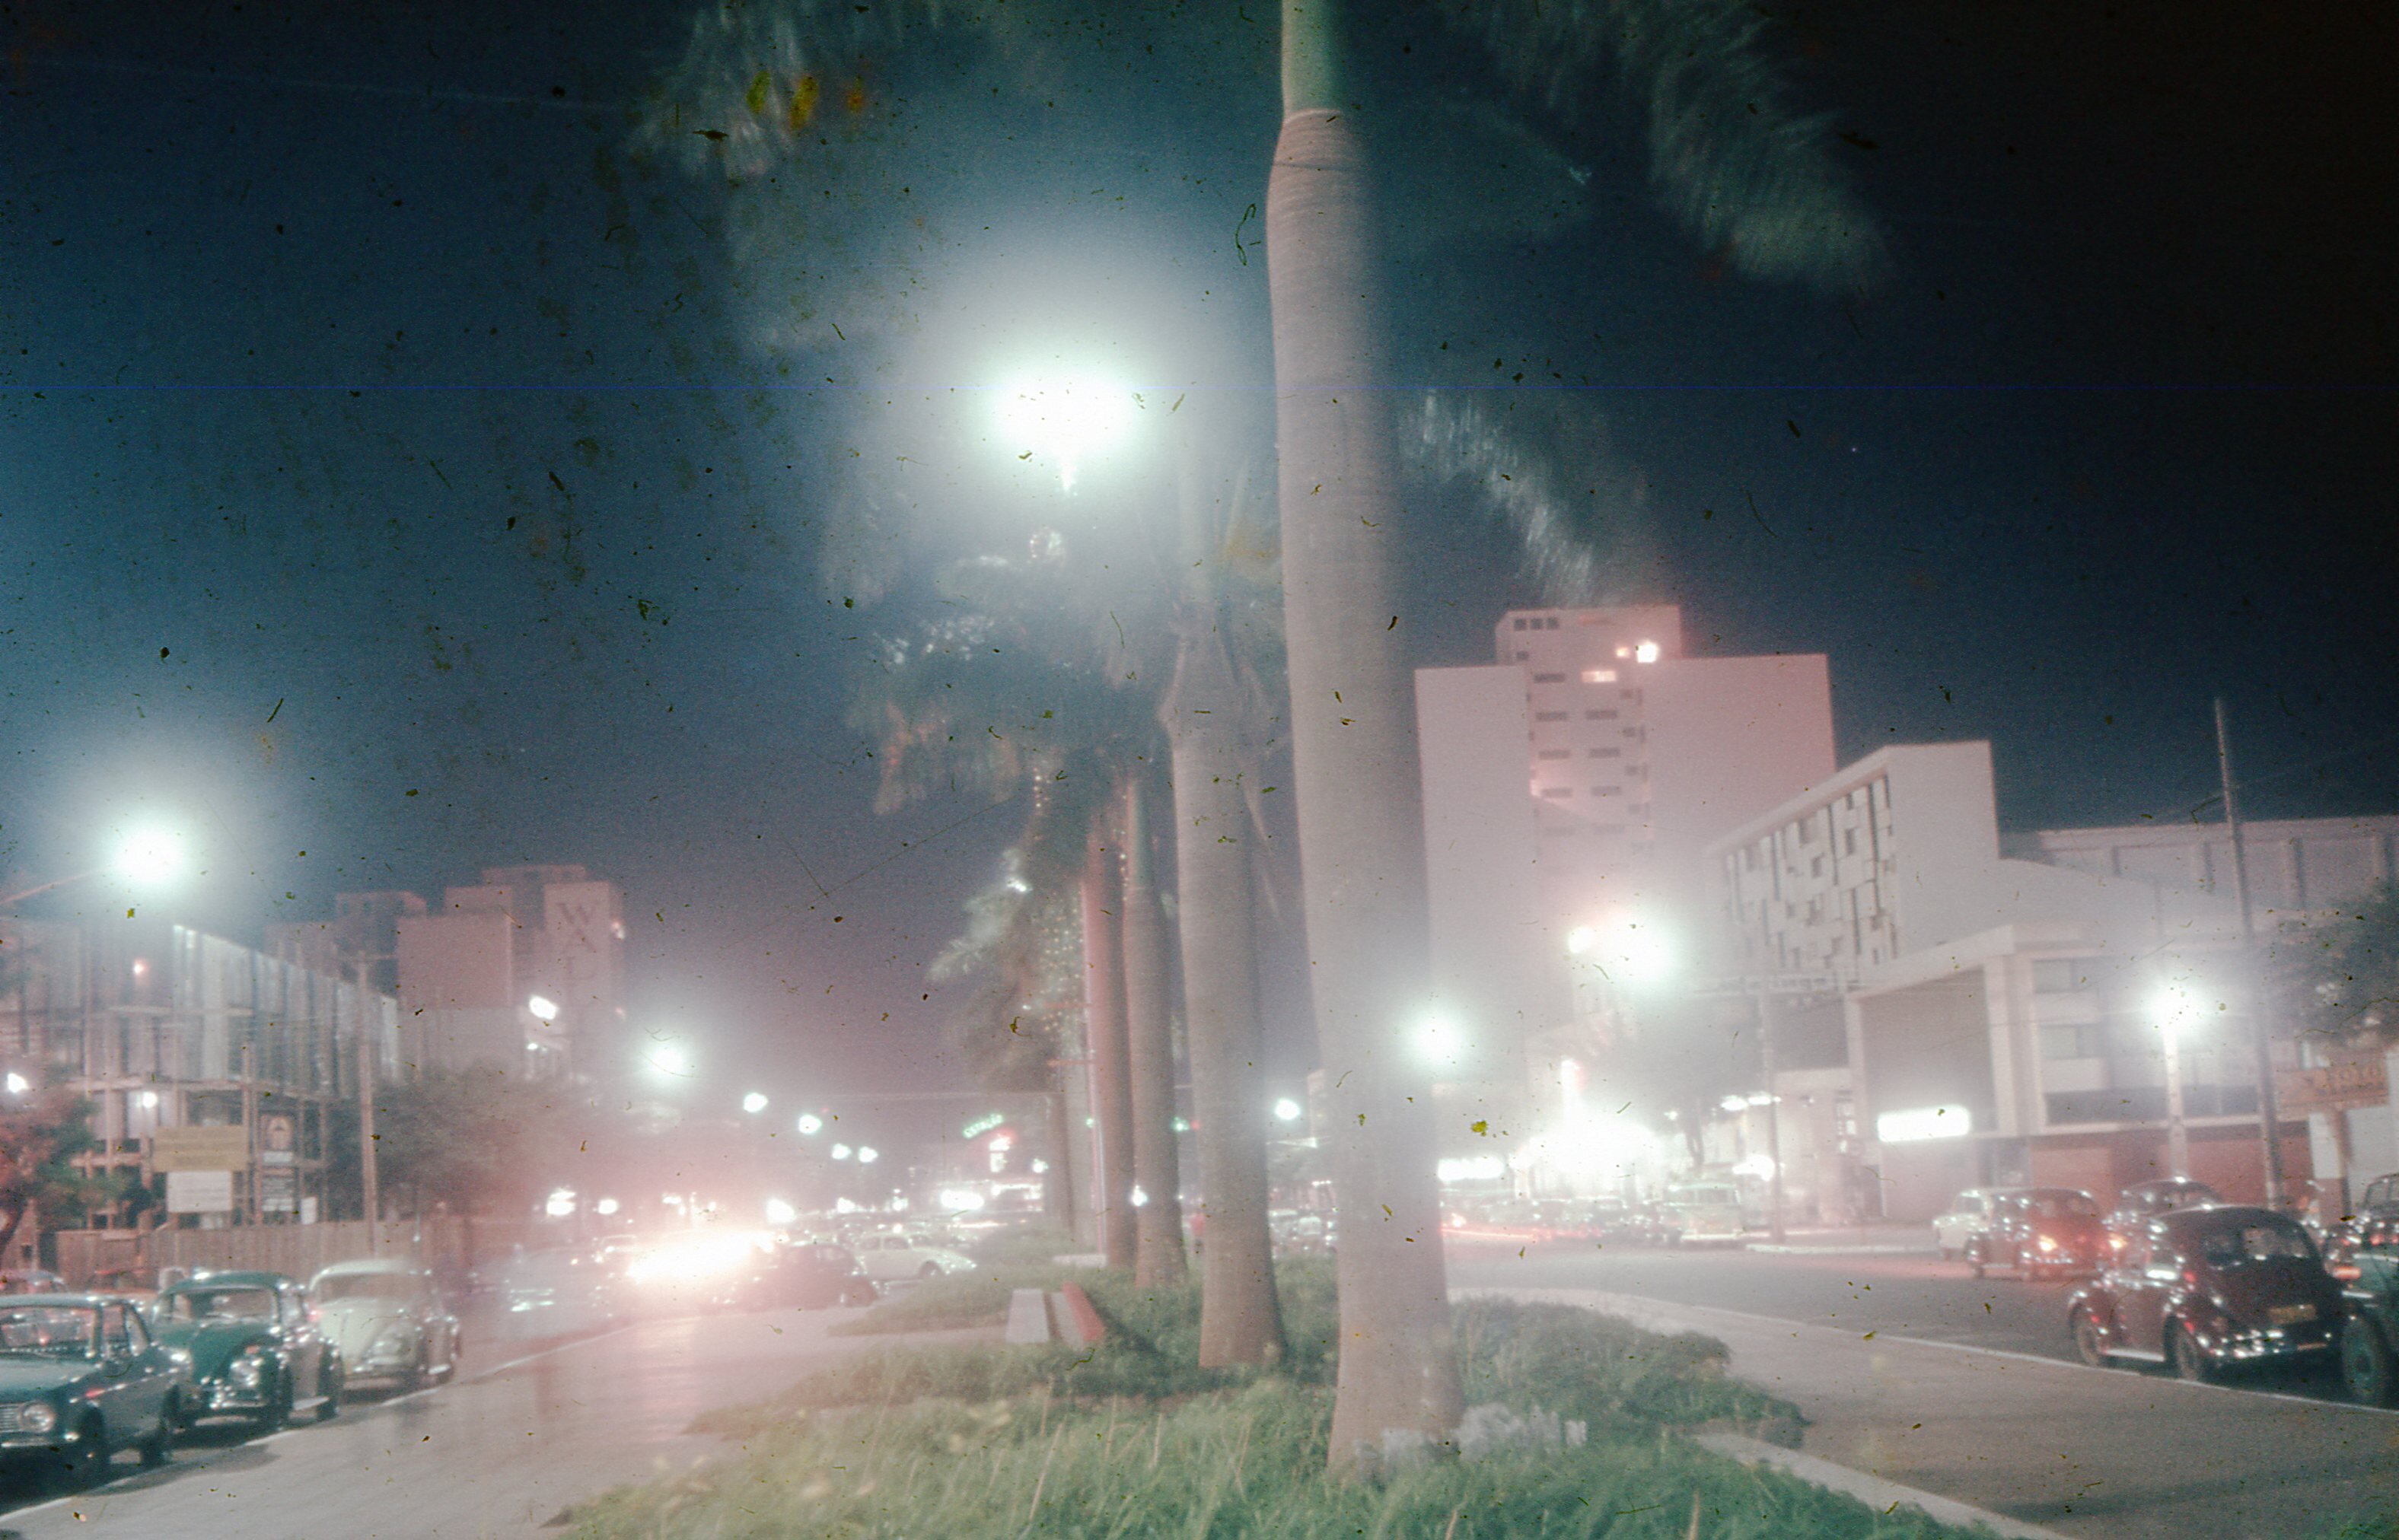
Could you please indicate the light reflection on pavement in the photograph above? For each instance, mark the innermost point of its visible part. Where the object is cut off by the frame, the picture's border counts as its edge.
(499, 1454)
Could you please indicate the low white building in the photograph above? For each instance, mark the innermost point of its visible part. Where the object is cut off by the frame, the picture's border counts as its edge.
(2003, 1007)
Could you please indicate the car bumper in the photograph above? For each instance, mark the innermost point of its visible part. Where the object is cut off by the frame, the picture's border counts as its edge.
(224, 1399)
(18, 1444)
(2275, 1344)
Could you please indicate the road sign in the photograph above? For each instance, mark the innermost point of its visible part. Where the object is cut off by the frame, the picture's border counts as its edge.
(2360, 1080)
(199, 1192)
(278, 1190)
(224, 1148)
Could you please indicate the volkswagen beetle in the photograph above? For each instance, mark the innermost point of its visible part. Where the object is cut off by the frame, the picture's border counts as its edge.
(255, 1350)
(385, 1319)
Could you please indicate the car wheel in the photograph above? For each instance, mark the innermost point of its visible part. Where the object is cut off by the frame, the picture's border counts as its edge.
(329, 1384)
(2365, 1364)
(2191, 1359)
(928, 1271)
(2089, 1341)
(1974, 1259)
(278, 1411)
(860, 1292)
(81, 1463)
(159, 1447)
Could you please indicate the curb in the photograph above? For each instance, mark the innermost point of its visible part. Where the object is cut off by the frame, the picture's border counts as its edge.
(1873, 1491)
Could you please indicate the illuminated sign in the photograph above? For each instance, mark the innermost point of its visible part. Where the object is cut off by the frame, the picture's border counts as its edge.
(1919, 1124)
(983, 1125)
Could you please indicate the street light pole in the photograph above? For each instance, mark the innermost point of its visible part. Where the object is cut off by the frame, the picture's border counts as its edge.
(370, 1180)
(2270, 1127)
(2177, 1127)
(1774, 1118)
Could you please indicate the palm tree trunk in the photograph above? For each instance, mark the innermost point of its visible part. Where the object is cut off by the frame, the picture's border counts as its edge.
(1149, 1037)
(1353, 740)
(1103, 1014)
(1241, 1320)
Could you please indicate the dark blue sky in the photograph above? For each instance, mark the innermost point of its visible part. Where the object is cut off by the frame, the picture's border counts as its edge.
(397, 466)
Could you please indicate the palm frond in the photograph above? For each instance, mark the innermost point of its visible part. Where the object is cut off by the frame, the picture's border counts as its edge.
(1730, 154)
(1540, 466)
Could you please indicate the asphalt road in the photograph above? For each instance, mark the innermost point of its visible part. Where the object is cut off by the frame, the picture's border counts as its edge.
(1910, 1370)
(500, 1454)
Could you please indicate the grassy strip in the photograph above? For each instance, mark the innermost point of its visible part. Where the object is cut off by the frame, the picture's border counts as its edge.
(1249, 1464)
(953, 1301)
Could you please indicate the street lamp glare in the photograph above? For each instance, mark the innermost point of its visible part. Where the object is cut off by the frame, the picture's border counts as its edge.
(668, 1059)
(868, 1155)
(148, 856)
(544, 1008)
(754, 1102)
(1286, 1110)
(809, 1122)
(1063, 418)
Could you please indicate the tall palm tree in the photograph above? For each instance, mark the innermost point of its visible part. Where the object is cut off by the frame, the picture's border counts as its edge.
(1731, 160)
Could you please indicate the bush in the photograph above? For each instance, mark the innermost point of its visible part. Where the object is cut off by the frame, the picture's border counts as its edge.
(1246, 1465)
(1599, 1370)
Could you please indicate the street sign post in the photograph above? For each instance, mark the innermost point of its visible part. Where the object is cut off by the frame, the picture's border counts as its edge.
(213, 1148)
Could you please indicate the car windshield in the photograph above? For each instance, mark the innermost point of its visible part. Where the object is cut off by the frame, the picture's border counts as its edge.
(239, 1304)
(2252, 1243)
(48, 1330)
(2058, 1205)
(398, 1287)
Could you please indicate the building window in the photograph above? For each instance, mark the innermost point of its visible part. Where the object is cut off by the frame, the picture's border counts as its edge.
(1608, 754)
(1603, 714)
(1552, 623)
(2058, 976)
(1555, 792)
(1555, 754)
(1850, 842)
(1607, 790)
(1517, 623)
(1551, 716)
(1548, 678)
(1524, 658)
(1599, 676)
(1816, 867)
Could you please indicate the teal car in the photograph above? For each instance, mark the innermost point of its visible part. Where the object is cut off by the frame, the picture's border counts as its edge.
(255, 1349)
(81, 1379)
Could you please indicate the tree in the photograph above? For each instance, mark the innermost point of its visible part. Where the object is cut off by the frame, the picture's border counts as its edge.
(1729, 159)
(41, 1133)
(476, 1140)
(2341, 980)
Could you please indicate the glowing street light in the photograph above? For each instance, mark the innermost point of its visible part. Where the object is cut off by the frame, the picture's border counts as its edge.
(668, 1059)
(1441, 1041)
(754, 1102)
(841, 1151)
(542, 1007)
(868, 1155)
(2176, 1009)
(1065, 418)
(147, 857)
(1287, 1110)
(809, 1122)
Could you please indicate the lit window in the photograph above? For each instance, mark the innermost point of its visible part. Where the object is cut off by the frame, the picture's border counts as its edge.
(1599, 676)
(1646, 653)
(1624, 652)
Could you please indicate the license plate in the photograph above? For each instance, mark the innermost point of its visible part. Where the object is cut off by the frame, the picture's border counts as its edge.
(2291, 1314)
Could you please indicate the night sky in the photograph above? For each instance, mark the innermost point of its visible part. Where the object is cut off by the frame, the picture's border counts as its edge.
(403, 463)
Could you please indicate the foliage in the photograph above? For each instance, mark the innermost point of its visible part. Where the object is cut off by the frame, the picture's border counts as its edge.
(1017, 1247)
(2341, 979)
(991, 1440)
(41, 1133)
(478, 1141)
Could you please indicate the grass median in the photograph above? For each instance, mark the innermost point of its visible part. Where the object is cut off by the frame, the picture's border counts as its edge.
(1575, 1434)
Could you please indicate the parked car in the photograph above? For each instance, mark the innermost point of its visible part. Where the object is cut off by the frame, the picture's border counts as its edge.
(815, 1275)
(558, 1291)
(2379, 1202)
(2038, 1230)
(387, 1322)
(2369, 1329)
(31, 1280)
(896, 1256)
(1701, 1211)
(2204, 1290)
(255, 1350)
(1969, 1212)
(2144, 1199)
(81, 1378)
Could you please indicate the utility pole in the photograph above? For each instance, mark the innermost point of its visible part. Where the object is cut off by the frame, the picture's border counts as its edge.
(2269, 1123)
(369, 1186)
(1774, 1118)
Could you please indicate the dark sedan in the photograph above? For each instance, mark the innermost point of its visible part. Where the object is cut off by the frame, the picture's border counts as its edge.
(80, 1379)
(2369, 1332)
(2204, 1290)
(2038, 1230)
(255, 1350)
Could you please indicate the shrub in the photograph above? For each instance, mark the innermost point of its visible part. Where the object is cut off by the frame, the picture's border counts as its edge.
(1245, 1464)
(953, 1301)
(1599, 1370)
(1022, 1247)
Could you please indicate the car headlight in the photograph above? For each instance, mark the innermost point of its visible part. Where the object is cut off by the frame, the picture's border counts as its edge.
(38, 1417)
(251, 1367)
(393, 1339)
(2048, 1243)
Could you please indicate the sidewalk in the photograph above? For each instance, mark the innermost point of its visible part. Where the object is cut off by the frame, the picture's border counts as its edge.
(2093, 1454)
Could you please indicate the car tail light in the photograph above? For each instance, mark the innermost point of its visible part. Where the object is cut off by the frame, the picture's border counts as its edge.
(2347, 1272)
